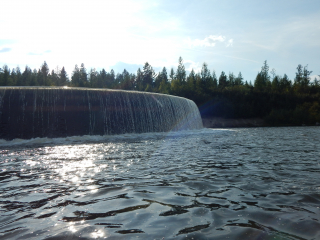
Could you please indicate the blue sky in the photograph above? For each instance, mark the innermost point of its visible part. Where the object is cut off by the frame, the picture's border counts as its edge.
(228, 35)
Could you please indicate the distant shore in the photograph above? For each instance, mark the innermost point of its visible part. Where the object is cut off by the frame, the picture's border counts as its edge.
(216, 122)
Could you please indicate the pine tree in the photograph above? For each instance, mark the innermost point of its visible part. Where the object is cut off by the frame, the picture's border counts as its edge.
(164, 86)
(13, 77)
(5, 76)
(34, 77)
(262, 81)
(83, 76)
(19, 75)
(206, 78)
(265, 72)
(232, 79)
(181, 72)
(148, 76)
(239, 80)
(275, 83)
(138, 80)
(306, 77)
(102, 79)
(126, 81)
(118, 81)
(53, 78)
(299, 75)
(172, 74)
(157, 82)
(111, 79)
(93, 78)
(43, 78)
(191, 80)
(302, 79)
(285, 83)
(75, 78)
(63, 77)
(215, 80)
(26, 77)
(1, 76)
(259, 82)
(223, 81)
(205, 73)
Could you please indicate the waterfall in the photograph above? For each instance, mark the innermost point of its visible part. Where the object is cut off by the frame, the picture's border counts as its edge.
(30, 112)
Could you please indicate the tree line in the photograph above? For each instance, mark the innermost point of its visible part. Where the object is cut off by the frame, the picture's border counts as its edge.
(276, 99)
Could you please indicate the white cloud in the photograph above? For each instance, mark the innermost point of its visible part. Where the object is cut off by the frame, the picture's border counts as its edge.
(189, 65)
(313, 77)
(210, 41)
(229, 43)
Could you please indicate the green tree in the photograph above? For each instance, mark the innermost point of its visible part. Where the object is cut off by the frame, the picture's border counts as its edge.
(285, 83)
(162, 76)
(207, 80)
(164, 86)
(178, 81)
(275, 83)
(53, 78)
(102, 79)
(157, 82)
(191, 81)
(232, 79)
(5, 79)
(111, 79)
(13, 77)
(199, 86)
(75, 78)
(306, 77)
(259, 83)
(172, 74)
(262, 81)
(302, 79)
(1, 76)
(127, 81)
(93, 78)
(18, 75)
(265, 72)
(180, 75)
(299, 76)
(34, 78)
(238, 80)
(118, 81)
(26, 77)
(43, 75)
(138, 81)
(223, 81)
(148, 77)
(215, 80)
(83, 76)
(63, 77)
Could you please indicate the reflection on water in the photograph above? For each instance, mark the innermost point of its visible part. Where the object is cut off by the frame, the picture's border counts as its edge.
(206, 184)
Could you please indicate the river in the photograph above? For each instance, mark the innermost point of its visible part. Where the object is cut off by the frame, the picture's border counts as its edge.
(246, 183)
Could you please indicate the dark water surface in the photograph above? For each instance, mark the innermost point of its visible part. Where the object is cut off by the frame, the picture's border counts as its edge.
(258, 183)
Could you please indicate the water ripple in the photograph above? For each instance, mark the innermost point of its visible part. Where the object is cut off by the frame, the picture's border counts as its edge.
(206, 184)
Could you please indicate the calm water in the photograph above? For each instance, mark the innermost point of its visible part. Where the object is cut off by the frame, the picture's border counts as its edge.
(258, 183)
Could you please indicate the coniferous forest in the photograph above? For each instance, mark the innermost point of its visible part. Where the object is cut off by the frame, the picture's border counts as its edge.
(276, 99)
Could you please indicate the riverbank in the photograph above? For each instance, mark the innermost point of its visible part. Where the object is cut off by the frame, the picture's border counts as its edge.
(216, 122)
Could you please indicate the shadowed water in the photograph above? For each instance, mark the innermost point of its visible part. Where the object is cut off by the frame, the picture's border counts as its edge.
(258, 183)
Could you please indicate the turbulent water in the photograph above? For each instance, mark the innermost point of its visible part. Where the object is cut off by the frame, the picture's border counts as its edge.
(258, 183)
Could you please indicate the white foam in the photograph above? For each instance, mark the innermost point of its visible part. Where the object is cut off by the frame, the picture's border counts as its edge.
(107, 138)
